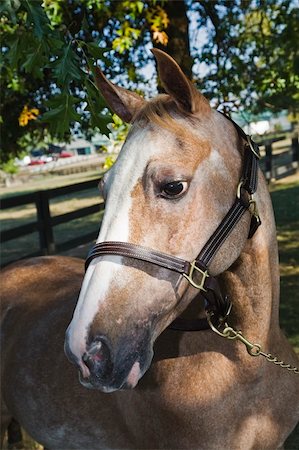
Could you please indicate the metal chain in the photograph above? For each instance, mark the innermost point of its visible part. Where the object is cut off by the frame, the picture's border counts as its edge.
(253, 349)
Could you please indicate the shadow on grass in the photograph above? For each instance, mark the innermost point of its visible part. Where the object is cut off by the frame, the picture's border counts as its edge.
(289, 286)
(285, 198)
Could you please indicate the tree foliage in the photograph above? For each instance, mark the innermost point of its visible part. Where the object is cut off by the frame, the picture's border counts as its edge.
(249, 58)
(252, 53)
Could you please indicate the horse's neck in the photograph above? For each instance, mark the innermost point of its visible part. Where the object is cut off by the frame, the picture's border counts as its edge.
(253, 280)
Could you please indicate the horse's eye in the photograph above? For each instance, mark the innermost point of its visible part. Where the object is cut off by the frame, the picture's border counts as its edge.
(174, 189)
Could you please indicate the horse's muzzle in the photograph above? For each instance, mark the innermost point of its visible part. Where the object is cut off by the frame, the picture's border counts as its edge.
(109, 369)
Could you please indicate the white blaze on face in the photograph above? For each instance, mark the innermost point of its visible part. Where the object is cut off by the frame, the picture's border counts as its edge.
(128, 169)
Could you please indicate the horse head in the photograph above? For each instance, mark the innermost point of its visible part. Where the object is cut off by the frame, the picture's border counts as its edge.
(173, 182)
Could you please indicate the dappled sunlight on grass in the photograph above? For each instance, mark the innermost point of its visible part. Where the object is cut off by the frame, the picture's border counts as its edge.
(78, 227)
(285, 197)
(64, 204)
(14, 217)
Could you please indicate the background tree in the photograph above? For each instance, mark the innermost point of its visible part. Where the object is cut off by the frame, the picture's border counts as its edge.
(249, 59)
(252, 53)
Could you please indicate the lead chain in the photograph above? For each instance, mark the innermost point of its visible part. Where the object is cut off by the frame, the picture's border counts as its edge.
(253, 349)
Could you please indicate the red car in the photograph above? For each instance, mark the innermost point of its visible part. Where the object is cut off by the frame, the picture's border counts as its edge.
(36, 162)
(65, 154)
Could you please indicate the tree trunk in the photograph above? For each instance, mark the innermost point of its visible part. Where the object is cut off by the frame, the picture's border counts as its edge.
(178, 45)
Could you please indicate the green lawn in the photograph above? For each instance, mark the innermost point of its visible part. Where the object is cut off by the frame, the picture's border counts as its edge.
(285, 198)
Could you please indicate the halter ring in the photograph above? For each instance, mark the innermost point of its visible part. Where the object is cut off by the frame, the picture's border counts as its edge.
(189, 276)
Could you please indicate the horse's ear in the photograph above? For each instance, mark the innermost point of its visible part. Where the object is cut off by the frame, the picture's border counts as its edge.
(177, 85)
(123, 102)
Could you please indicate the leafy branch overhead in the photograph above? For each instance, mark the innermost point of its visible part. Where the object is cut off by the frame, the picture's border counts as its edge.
(46, 68)
(240, 54)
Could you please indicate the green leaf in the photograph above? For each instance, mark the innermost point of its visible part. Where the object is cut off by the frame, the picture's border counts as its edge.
(62, 114)
(67, 67)
(122, 44)
(94, 93)
(56, 43)
(96, 104)
(140, 6)
(38, 16)
(10, 7)
(19, 45)
(100, 120)
(36, 60)
(15, 50)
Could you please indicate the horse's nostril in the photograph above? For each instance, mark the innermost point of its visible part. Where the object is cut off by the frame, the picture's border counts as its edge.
(98, 359)
(96, 350)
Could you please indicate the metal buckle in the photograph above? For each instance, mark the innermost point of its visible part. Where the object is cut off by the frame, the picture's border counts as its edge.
(253, 208)
(252, 203)
(248, 198)
(240, 185)
(189, 277)
(249, 141)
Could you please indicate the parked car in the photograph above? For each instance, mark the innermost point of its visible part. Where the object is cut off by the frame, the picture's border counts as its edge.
(65, 154)
(36, 162)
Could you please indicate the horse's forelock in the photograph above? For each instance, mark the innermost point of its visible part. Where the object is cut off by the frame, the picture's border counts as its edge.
(162, 111)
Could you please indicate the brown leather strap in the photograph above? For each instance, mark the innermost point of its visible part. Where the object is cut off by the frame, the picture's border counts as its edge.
(180, 324)
(222, 232)
(138, 252)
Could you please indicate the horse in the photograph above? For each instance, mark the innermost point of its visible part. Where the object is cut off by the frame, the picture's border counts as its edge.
(169, 331)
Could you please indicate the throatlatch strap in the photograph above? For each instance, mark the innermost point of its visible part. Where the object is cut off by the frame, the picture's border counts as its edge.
(180, 324)
(222, 232)
(250, 167)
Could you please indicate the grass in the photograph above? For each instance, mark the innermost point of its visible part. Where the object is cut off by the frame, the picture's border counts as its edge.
(285, 197)
(47, 181)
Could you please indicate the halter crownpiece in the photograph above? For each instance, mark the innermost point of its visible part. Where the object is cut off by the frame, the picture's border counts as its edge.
(196, 272)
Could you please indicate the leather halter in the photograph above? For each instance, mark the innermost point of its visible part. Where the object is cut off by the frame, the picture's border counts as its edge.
(196, 272)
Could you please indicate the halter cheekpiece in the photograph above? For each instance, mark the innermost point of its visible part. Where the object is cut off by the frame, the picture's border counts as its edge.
(196, 272)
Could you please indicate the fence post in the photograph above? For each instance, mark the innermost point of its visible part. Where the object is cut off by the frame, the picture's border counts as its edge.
(268, 161)
(46, 237)
(295, 150)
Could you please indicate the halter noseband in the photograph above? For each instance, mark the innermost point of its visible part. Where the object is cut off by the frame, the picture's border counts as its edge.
(196, 272)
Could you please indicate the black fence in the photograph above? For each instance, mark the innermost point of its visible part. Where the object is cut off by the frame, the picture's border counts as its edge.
(45, 222)
(282, 162)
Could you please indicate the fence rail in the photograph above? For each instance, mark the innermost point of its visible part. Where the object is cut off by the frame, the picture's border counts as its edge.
(46, 222)
(280, 164)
